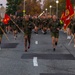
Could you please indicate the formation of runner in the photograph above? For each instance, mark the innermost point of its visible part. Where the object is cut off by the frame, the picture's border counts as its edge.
(28, 23)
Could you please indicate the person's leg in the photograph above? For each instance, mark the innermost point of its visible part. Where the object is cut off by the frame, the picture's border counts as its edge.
(74, 39)
(0, 38)
(9, 29)
(45, 30)
(14, 34)
(56, 41)
(56, 38)
(36, 30)
(26, 38)
(68, 33)
(29, 40)
(53, 43)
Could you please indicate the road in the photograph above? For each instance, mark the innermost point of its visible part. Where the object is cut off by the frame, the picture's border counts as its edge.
(40, 58)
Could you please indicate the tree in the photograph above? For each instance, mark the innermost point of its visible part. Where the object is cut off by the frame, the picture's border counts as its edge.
(17, 6)
(31, 7)
(35, 8)
(62, 6)
(12, 6)
(47, 3)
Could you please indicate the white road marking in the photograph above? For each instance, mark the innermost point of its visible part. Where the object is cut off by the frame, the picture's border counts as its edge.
(35, 62)
(36, 42)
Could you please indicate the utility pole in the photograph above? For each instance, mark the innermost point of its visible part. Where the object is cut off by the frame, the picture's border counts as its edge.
(57, 7)
(24, 9)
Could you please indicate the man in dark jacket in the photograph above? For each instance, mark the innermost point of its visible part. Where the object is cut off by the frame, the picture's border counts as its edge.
(55, 26)
(27, 24)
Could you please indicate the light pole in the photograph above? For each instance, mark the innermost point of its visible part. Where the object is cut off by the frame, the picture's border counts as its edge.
(24, 9)
(57, 7)
(46, 10)
(50, 9)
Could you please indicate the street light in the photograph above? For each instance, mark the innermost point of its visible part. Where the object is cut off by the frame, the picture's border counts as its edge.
(57, 7)
(50, 9)
(46, 10)
(24, 9)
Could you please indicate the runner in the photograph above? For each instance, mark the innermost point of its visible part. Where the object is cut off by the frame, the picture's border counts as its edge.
(27, 31)
(55, 26)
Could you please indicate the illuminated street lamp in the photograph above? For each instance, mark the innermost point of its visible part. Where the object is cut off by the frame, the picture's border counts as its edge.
(46, 10)
(57, 7)
(50, 9)
(24, 9)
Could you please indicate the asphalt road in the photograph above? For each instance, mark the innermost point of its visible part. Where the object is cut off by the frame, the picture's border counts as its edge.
(40, 58)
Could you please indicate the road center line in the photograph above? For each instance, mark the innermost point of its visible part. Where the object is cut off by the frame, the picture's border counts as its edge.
(35, 62)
